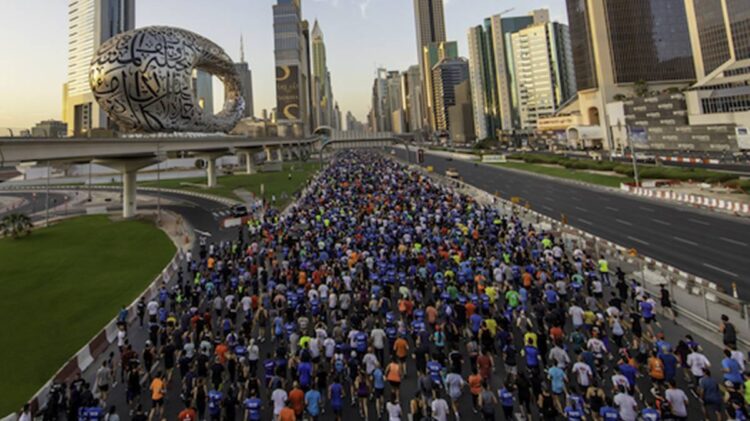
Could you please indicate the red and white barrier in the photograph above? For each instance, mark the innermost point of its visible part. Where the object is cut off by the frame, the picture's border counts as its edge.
(688, 160)
(742, 208)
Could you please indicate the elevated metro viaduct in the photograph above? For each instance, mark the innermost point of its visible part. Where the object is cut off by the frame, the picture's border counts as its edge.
(129, 155)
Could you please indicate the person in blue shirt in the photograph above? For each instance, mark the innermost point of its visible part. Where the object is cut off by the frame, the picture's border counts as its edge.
(435, 370)
(312, 403)
(505, 394)
(732, 369)
(253, 407)
(305, 374)
(93, 413)
(378, 385)
(572, 413)
(336, 398)
(608, 412)
(557, 380)
(670, 364)
(214, 404)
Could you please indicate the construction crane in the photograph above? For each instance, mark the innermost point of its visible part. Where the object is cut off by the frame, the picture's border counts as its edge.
(507, 11)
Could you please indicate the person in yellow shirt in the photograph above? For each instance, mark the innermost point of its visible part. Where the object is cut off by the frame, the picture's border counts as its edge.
(491, 325)
(531, 338)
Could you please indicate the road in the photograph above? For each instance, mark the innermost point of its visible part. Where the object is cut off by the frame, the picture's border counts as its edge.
(713, 246)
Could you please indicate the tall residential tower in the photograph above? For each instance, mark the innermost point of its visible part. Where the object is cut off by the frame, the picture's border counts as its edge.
(430, 28)
(90, 23)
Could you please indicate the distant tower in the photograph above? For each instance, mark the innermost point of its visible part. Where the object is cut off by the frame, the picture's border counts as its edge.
(246, 77)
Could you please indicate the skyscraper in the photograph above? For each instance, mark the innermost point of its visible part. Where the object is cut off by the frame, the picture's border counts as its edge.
(90, 23)
(412, 91)
(494, 96)
(292, 66)
(446, 75)
(433, 54)
(620, 43)
(203, 89)
(719, 31)
(544, 73)
(430, 28)
(246, 77)
(323, 103)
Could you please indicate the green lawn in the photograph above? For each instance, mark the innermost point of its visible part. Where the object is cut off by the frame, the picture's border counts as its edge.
(560, 172)
(60, 286)
(275, 183)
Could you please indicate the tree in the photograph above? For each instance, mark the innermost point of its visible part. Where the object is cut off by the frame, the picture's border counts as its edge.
(15, 225)
(641, 89)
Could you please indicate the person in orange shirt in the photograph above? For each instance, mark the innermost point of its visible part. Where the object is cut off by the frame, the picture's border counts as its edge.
(188, 414)
(297, 400)
(393, 375)
(656, 368)
(401, 348)
(221, 352)
(475, 387)
(158, 389)
(287, 414)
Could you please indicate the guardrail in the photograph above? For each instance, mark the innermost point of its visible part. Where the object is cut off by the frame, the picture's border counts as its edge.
(695, 298)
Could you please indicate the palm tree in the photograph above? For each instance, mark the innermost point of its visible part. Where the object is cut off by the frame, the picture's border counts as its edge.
(15, 225)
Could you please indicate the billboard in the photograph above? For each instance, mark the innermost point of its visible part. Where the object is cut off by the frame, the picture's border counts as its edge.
(638, 136)
(287, 93)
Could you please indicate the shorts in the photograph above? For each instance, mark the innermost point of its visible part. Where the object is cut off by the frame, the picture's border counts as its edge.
(379, 393)
(402, 359)
(714, 407)
(157, 402)
(394, 384)
(103, 388)
(649, 320)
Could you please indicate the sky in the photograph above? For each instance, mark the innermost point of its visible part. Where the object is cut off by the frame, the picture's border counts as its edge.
(360, 36)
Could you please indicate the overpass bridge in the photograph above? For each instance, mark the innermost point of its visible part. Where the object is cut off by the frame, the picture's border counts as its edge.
(128, 155)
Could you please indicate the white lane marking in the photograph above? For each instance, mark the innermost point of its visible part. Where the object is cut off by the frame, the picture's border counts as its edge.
(577, 199)
(585, 221)
(216, 215)
(549, 199)
(582, 209)
(203, 233)
(638, 241)
(718, 269)
(611, 208)
(624, 222)
(646, 209)
(729, 240)
(659, 221)
(547, 208)
(682, 240)
(698, 221)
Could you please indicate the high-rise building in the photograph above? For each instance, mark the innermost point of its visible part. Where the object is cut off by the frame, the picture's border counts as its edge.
(412, 91)
(544, 73)
(380, 115)
(621, 44)
(90, 23)
(246, 77)
(291, 40)
(461, 116)
(352, 124)
(720, 38)
(433, 54)
(203, 89)
(494, 97)
(430, 28)
(720, 31)
(323, 102)
(446, 75)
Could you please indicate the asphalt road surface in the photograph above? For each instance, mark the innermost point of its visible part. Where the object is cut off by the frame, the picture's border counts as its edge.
(713, 246)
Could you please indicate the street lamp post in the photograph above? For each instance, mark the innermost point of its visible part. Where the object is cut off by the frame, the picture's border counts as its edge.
(632, 157)
(91, 164)
(46, 217)
(158, 185)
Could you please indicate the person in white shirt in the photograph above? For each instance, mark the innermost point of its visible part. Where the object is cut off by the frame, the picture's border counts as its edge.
(697, 363)
(583, 372)
(279, 397)
(626, 405)
(440, 409)
(677, 400)
(393, 409)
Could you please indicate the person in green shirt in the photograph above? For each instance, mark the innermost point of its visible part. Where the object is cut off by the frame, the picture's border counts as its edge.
(512, 297)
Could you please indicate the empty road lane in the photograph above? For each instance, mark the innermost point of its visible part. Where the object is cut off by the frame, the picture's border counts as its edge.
(716, 247)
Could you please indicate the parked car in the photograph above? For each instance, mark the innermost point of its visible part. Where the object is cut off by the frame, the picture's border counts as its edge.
(239, 211)
(452, 173)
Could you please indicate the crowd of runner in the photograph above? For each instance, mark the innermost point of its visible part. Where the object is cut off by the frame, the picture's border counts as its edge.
(384, 292)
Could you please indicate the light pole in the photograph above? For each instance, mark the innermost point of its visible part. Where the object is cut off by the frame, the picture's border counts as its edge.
(158, 185)
(632, 156)
(46, 217)
(91, 164)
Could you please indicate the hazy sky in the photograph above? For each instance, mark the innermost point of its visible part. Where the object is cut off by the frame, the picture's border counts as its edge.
(360, 35)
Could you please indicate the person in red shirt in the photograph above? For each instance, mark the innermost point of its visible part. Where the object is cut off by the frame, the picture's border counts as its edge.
(297, 400)
(188, 414)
